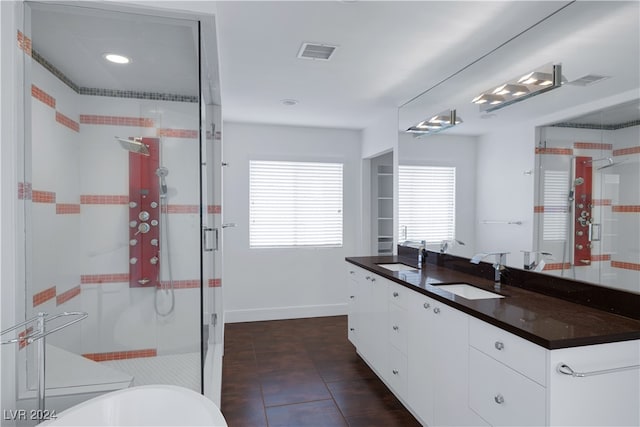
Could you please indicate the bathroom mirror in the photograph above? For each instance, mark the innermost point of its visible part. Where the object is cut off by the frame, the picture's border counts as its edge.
(502, 157)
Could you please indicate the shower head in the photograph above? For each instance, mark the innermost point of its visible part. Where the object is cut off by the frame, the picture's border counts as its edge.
(134, 145)
(612, 163)
(162, 172)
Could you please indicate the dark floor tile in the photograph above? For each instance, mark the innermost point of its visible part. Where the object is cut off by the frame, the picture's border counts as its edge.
(239, 357)
(360, 396)
(285, 387)
(351, 368)
(274, 361)
(395, 418)
(243, 411)
(322, 413)
(240, 379)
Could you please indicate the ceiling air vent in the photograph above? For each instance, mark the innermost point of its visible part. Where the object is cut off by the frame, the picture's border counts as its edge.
(587, 80)
(316, 51)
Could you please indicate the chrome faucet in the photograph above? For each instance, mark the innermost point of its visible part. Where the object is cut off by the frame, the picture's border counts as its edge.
(420, 245)
(535, 265)
(498, 266)
(445, 244)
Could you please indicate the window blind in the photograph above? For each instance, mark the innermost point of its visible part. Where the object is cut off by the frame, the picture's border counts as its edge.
(555, 196)
(295, 204)
(426, 203)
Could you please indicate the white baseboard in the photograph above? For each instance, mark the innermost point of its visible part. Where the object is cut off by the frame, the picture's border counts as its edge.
(278, 313)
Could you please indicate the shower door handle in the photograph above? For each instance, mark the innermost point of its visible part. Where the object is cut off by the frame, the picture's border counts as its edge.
(593, 236)
(205, 231)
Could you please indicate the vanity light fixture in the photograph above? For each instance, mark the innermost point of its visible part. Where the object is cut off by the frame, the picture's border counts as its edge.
(437, 123)
(542, 80)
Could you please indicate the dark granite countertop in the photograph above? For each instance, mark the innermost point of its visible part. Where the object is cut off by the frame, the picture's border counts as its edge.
(550, 322)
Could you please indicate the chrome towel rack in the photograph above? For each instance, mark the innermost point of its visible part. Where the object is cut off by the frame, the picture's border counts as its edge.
(563, 368)
(39, 334)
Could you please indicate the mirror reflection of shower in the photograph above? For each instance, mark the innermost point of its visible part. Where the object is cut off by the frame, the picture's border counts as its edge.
(166, 289)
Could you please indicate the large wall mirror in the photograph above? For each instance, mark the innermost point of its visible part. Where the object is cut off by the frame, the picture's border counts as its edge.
(556, 175)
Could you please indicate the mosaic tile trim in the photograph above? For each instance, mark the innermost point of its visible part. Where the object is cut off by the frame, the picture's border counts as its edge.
(625, 151)
(23, 343)
(538, 209)
(180, 284)
(602, 202)
(103, 199)
(86, 279)
(215, 283)
(44, 296)
(214, 209)
(91, 119)
(603, 257)
(25, 44)
(43, 196)
(592, 146)
(66, 121)
(68, 295)
(626, 208)
(557, 266)
(25, 192)
(597, 126)
(67, 208)
(626, 265)
(179, 133)
(43, 96)
(119, 355)
(183, 209)
(561, 151)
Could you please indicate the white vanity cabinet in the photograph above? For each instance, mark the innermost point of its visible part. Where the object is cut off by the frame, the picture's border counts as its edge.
(438, 363)
(354, 275)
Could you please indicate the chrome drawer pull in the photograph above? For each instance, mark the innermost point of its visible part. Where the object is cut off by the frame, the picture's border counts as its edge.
(566, 370)
(426, 305)
(499, 399)
(395, 328)
(395, 294)
(395, 372)
(436, 310)
(373, 279)
(499, 345)
(352, 296)
(352, 329)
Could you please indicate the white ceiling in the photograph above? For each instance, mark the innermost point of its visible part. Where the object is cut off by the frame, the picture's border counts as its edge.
(388, 53)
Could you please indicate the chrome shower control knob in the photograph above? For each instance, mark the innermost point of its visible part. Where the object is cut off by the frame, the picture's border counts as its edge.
(133, 242)
(133, 224)
(133, 260)
(580, 233)
(154, 222)
(154, 242)
(143, 228)
(154, 205)
(132, 205)
(154, 260)
(144, 216)
(579, 247)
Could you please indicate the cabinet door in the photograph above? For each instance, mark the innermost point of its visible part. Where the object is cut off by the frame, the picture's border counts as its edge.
(420, 357)
(379, 313)
(353, 310)
(450, 357)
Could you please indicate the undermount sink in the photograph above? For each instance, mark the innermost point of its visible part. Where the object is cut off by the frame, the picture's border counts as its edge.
(469, 292)
(398, 266)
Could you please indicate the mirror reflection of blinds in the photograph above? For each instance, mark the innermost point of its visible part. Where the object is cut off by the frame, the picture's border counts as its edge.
(556, 194)
(426, 203)
(295, 204)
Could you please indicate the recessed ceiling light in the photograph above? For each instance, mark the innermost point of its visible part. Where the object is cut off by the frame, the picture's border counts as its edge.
(288, 102)
(116, 59)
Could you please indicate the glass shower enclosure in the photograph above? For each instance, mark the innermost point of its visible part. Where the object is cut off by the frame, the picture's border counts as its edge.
(121, 200)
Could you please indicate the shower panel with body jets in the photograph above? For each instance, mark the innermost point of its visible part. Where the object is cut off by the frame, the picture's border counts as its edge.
(148, 222)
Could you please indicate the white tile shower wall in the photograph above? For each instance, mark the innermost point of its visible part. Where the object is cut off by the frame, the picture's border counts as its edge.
(95, 242)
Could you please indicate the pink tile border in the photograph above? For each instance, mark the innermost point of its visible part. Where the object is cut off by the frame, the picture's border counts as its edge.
(104, 278)
(103, 199)
(44, 296)
(25, 192)
(24, 43)
(592, 146)
(23, 343)
(625, 151)
(120, 355)
(602, 257)
(67, 208)
(68, 295)
(178, 133)
(66, 121)
(43, 196)
(182, 284)
(183, 209)
(557, 266)
(92, 119)
(626, 265)
(557, 151)
(215, 283)
(214, 209)
(602, 202)
(538, 209)
(626, 208)
(43, 96)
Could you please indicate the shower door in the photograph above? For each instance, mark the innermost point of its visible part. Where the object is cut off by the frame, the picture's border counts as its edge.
(114, 203)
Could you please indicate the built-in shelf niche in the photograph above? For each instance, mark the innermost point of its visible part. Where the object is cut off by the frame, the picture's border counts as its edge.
(382, 204)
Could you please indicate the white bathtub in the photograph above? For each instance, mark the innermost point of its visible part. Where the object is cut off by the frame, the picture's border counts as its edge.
(153, 405)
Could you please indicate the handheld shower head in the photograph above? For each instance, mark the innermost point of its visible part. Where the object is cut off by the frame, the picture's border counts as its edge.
(162, 172)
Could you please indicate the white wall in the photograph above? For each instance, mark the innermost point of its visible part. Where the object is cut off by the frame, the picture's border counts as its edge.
(381, 135)
(504, 191)
(263, 284)
(459, 152)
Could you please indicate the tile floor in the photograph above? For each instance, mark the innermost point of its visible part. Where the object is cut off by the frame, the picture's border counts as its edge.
(302, 372)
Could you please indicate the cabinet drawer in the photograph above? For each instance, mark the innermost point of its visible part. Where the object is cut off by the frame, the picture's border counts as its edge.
(519, 354)
(502, 396)
(353, 272)
(398, 294)
(397, 373)
(397, 328)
